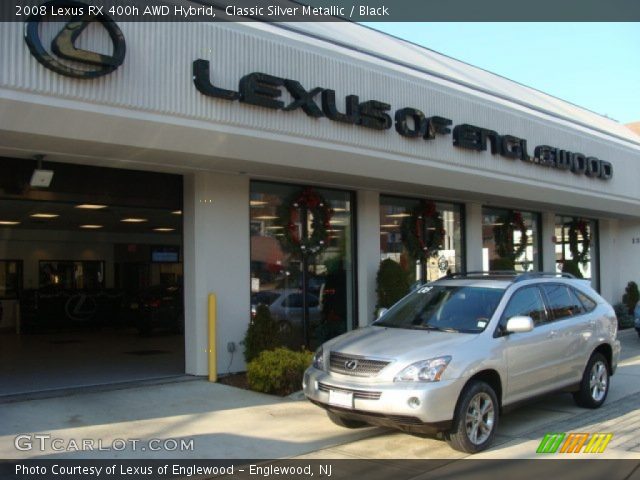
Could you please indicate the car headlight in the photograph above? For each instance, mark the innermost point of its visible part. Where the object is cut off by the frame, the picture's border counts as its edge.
(318, 359)
(424, 371)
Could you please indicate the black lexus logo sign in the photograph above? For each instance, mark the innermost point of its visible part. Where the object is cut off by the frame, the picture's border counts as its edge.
(80, 63)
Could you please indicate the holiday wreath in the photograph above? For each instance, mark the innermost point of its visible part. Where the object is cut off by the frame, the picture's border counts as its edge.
(423, 231)
(503, 235)
(579, 249)
(306, 204)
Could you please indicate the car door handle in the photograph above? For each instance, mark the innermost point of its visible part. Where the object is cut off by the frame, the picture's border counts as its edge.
(552, 334)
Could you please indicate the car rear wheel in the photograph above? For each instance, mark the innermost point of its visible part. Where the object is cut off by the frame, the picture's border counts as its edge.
(594, 386)
(475, 420)
(345, 422)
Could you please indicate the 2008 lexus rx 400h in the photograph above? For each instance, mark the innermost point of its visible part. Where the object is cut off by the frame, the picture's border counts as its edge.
(450, 355)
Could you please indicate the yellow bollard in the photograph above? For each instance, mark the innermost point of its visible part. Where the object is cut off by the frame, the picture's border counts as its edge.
(213, 369)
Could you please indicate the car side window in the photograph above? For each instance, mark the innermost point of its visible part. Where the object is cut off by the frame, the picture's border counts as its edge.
(562, 302)
(528, 302)
(587, 302)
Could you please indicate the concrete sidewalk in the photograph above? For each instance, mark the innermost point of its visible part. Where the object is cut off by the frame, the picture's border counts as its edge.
(225, 422)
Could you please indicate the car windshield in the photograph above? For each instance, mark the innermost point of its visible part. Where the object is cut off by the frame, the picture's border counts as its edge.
(465, 309)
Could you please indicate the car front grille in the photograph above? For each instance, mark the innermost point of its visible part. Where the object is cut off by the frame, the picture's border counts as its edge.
(359, 394)
(354, 365)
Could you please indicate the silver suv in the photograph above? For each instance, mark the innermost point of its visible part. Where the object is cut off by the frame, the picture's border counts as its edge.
(451, 355)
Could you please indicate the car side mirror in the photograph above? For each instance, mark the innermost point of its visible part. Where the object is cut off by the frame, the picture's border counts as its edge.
(382, 311)
(519, 324)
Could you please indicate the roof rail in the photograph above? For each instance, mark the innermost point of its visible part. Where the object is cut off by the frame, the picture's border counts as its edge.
(514, 274)
(484, 273)
(530, 275)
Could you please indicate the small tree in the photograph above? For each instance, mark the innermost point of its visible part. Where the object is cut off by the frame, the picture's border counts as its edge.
(262, 334)
(572, 267)
(631, 296)
(392, 283)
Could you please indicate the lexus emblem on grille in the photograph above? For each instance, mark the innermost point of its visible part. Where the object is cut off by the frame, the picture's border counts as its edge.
(351, 364)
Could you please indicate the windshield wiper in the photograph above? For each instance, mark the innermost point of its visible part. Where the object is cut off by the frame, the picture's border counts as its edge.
(433, 327)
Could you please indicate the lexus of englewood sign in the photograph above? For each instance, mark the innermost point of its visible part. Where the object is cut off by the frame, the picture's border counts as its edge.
(265, 90)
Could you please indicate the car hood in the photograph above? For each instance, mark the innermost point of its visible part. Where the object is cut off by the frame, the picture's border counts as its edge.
(399, 343)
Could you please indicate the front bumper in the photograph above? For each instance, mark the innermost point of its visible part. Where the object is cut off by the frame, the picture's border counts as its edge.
(410, 406)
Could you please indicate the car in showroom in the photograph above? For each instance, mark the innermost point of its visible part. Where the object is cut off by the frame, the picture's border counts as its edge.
(157, 308)
(453, 354)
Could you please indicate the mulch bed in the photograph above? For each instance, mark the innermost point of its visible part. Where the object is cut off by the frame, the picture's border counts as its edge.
(238, 380)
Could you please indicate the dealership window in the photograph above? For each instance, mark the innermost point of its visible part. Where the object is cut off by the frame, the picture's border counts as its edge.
(576, 242)
(70, 274)
(423, 236)
(510, 240)
(10, 278)
(302, 260)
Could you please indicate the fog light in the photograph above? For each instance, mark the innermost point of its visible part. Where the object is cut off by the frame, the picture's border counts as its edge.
(414, 402)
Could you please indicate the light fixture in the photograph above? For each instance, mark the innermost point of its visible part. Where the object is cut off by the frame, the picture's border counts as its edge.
(9, 222)
(389, 225)
(177, 212)
(44, 215)
(336, 222)
(41, 178)
(399, 215)
(90, 206)
(265, 217)
(91, 227)
(164, 229)
(133, 220)
(274, 227)
(257, 203)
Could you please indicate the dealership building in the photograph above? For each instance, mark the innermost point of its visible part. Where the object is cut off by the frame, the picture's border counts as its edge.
(272, 164)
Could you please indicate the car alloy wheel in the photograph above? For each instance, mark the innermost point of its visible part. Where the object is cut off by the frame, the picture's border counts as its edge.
(598, 381)
(594, 385)
(480, 418)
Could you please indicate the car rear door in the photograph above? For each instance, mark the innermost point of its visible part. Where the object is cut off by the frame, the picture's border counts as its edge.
(572, 330)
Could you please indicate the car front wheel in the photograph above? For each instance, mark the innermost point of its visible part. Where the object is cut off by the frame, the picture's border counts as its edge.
(594, 386)
(475, 420)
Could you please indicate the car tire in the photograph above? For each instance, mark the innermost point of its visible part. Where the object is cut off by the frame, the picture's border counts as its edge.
(475, 420)
(345, 422)
(594, 385)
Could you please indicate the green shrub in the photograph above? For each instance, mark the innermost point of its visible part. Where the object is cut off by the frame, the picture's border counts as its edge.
(572, 267)
(392, 283)
(625, 319)
(262, 334)
(278, 371)
(631, 296)
(502, 263)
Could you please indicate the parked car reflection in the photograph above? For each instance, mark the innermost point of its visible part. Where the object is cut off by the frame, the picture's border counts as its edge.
(158, 308)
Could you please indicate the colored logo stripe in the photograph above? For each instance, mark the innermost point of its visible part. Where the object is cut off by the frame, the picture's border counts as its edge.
(574, 442)
(550, 443)
(598, 442)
